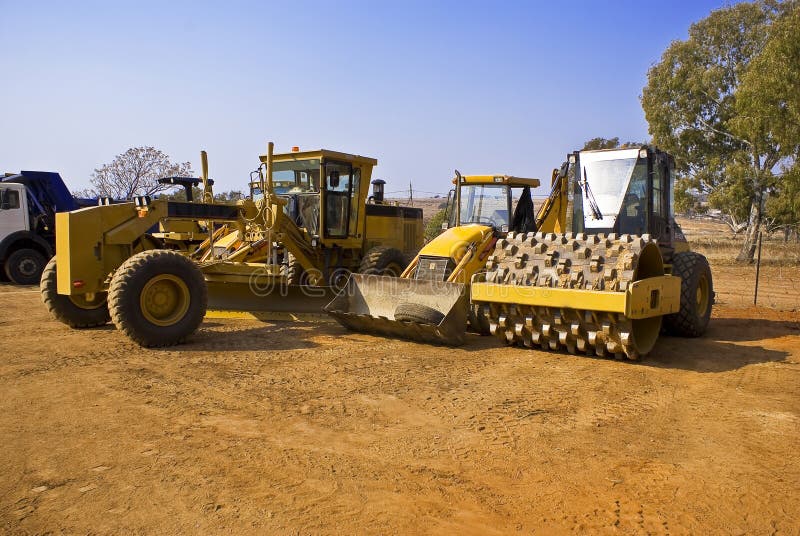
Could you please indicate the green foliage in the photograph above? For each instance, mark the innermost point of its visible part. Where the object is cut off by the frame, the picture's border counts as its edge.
(685, 202)
(434, 226)
(610, 143)
(180, 194)
(705, 107)
(783, 208)
(233, 195)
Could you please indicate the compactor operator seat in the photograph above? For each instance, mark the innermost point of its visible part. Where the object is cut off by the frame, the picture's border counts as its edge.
(631, 218)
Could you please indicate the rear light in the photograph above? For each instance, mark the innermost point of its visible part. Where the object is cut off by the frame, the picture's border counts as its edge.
(78, 283)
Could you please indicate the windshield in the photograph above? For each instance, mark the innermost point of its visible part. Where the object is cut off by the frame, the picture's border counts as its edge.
(485, 204)
(296, 177)
(608, 175)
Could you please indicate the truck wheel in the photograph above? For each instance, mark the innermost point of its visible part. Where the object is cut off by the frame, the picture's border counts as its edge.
(382, 260)
(697, 295)
(421, 314)
(25, 266)
(158, 298)
(74, 311)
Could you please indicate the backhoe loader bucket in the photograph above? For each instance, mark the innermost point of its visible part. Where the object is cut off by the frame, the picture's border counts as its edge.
(421, 310)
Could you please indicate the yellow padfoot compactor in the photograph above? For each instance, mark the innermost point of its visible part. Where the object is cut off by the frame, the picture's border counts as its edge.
(602, 268)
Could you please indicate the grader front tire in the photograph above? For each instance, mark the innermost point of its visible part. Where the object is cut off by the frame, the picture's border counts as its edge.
(158, 298)
(74, 311)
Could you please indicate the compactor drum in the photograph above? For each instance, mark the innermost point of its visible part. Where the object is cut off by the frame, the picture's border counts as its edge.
(601, 269)
(539, 266)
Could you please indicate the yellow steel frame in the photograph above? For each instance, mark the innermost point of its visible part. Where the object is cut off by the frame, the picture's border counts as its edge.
(653, 296)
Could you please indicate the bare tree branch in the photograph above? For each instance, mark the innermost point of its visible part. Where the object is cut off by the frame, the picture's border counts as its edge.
(136, 172)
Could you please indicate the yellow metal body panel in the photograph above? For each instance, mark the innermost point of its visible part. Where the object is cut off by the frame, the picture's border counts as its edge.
(636, 302)
(552, 214)
(653, 296)
(514, 182)
(405, 234)
(453, 242)
(92, 242)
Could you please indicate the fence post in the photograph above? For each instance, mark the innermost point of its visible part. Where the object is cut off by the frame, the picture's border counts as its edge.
(758, 269)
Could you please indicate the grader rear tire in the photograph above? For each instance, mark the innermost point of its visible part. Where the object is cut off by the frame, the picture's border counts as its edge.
(382, 260)
(158, 298)
(697, 296)
(74, 311)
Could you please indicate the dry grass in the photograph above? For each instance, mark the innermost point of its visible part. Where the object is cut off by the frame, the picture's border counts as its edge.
(717, 242)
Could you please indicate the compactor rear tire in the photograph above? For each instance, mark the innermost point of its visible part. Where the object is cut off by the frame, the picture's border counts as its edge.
(25, 266)
(74, 311)
(697, 295)
(382, 260)
(421, 314)
(158, 298)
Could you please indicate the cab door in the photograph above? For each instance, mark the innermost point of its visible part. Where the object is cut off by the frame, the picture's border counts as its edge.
(340, 190)
(14, 213)
(659, 198)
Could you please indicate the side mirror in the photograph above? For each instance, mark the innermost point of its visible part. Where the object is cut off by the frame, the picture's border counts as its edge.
(4, 203)
(334, 179)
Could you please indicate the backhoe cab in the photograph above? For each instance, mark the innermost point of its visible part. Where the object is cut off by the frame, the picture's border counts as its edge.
(489, 199)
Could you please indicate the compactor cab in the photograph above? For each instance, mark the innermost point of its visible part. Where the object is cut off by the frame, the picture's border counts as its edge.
(624, 191)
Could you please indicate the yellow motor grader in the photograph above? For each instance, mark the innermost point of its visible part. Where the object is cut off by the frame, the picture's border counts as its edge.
(601, 268)
(305, 226)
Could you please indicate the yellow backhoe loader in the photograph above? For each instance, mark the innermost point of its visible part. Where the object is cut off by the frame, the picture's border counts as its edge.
(306, 225)
(600, 269)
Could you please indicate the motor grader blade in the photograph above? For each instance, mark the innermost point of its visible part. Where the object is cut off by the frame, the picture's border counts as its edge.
(429, 311)
(279, 302)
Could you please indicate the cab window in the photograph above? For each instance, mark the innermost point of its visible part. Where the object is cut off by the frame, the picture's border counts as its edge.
(339, 182)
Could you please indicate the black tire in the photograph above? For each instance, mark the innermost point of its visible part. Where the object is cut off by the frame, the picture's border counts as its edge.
(478, 322)
(295, 274)
(414, 312)
(177, 292)
(692, 318)
(75, 311)
(382, 260)
(25, 266)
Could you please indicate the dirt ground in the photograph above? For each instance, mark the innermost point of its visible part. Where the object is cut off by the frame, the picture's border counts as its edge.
(305, 428)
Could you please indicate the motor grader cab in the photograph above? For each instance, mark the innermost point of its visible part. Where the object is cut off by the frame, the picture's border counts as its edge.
(304, 227)
(592, 278)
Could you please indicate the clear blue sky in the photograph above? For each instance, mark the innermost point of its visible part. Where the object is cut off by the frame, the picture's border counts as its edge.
(424, 87)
